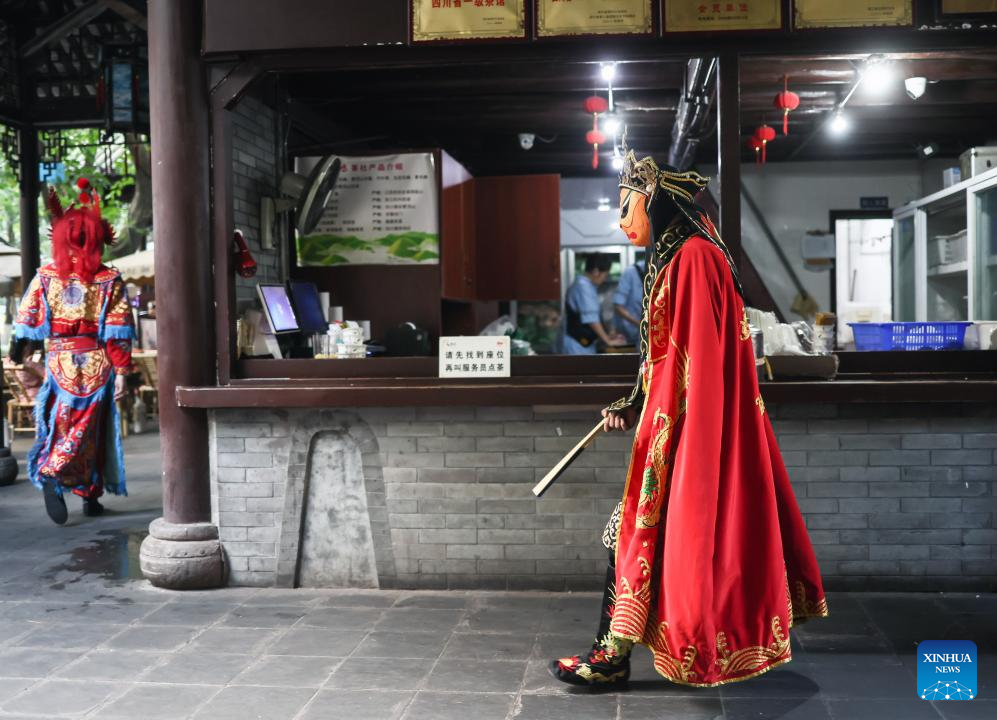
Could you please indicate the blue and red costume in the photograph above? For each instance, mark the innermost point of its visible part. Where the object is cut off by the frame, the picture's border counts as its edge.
(81, 307)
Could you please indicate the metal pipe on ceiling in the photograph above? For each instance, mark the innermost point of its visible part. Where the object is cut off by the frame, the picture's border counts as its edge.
(692, 112)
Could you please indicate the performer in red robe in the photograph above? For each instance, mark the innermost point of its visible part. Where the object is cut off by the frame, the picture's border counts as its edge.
(710, 561)
(82, 308)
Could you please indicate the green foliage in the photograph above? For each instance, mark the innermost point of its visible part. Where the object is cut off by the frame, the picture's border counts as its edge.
(328, 249)
(109, 169)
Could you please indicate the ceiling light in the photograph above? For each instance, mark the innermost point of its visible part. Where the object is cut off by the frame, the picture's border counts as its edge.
(839, 123)
(929, 150)
(915, 86)
(877, 76)
(611, 126)
(617, 163)
(608, 71)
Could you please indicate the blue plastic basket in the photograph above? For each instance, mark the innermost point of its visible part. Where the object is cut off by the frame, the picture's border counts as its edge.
(909, 335)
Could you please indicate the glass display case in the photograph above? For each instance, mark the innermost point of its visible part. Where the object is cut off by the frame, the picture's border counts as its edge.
(945, 254)
(984, 223)
(947, 276)
(904, 273)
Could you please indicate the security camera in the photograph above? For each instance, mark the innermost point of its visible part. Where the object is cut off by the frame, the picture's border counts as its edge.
(915, 86)
(526, 140)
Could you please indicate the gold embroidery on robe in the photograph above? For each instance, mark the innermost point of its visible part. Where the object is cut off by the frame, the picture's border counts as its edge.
(753, 657)
(659, 317)
(745, 330)
(804, 608)
(761, 404)
(631, 610)
(72, 299)
(80, 373)
(671, 667)
(652, 489)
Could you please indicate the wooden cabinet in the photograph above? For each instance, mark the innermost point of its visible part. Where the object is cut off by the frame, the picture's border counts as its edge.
(457, 242)
(501, 238)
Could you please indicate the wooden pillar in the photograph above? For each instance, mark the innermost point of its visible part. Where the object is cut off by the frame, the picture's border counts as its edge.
(178, 103)
(729, 151)
(30, 249)
(182, 550)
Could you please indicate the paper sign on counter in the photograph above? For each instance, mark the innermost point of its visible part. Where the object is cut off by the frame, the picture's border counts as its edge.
(475, 356)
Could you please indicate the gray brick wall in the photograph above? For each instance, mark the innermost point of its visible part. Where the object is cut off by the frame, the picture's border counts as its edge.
(257, 164)
(894, 496)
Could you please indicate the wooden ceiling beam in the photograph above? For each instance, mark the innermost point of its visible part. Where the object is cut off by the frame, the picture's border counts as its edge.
(127, 12)
(58, 30)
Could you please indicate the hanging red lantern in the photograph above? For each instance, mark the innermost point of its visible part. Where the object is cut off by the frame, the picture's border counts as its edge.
(595, 105)
(765, 134)
(756, 145)
(595, 138)
(786, 101)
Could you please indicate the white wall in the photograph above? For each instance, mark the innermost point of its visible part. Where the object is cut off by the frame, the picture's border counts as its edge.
(582, 223)
(797, 197)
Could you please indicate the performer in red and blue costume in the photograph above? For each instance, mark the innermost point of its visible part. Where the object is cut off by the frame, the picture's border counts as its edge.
(81, 307)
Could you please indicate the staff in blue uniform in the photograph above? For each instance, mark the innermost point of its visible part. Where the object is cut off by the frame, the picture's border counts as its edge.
(628, 302)
(582, 325)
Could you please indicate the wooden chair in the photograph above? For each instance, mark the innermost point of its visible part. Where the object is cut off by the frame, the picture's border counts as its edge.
(149, 390)
(20, 406)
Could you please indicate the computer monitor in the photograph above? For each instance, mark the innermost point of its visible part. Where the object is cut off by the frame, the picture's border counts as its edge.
(307, 306)
(278, 309)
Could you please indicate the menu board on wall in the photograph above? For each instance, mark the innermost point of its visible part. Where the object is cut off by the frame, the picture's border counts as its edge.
(594, 17)
(703, 16)
(383, 211)
(467, 19)
(851, 13)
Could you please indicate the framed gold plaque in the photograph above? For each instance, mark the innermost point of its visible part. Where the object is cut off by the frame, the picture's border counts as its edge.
(594, 17)
(851, 13)
(969, 7)
(468, 20)
(704, 16)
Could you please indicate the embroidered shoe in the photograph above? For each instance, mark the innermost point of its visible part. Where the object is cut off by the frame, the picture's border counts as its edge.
(92, 508)
(574, 671)
(55, 506)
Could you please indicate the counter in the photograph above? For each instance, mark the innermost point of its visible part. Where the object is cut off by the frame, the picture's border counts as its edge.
(892, 377)
(414, 482)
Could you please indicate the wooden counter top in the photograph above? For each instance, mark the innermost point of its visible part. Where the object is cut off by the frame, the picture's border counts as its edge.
(878, 377)
(557, 391)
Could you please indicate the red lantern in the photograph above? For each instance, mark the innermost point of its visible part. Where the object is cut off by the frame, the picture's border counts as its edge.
(595, 138)
(756, 145)
(595, 105)
(765, 135)
(786, 101)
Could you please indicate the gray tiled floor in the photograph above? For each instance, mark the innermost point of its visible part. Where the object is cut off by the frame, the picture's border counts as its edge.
(82, 637)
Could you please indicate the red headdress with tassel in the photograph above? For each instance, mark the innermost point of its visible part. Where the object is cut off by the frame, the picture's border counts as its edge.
(79, 234)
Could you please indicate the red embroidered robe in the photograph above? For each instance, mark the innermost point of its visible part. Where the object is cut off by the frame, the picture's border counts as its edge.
(89, 328)
(713, 560)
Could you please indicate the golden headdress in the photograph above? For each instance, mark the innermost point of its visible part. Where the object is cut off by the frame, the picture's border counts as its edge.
(647, 178)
